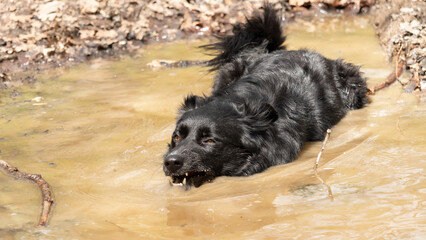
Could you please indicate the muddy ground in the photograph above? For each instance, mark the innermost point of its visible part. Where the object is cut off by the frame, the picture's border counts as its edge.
(401, 28)
(43, 34)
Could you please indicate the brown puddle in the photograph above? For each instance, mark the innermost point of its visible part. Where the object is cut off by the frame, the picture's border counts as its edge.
(98, 133)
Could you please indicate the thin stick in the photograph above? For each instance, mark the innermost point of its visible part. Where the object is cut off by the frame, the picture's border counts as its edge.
(161, 64)
(330, 193)
(397, 65)
(186, 63)
(42, 184)
(390, 79)
(322, 149)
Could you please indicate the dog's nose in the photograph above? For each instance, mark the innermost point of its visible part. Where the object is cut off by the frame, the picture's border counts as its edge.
(173, 163)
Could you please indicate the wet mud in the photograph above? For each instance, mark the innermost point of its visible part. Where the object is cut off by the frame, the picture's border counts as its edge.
(401, 28)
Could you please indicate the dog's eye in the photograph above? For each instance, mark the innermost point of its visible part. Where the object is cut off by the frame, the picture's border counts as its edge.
(176, 138)
(209, 141)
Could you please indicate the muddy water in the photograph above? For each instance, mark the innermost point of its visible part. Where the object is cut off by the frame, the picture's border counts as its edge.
(97, 133)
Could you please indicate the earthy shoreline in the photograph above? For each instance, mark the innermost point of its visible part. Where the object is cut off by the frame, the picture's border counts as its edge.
(401, 28)
(48, 34)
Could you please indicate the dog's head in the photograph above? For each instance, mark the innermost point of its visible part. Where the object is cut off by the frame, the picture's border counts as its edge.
(214, 138)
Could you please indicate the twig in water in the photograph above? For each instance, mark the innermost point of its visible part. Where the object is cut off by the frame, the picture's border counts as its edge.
(42, 184)
(390, 79)
(322, 149)
(330, 193)
(160, 64)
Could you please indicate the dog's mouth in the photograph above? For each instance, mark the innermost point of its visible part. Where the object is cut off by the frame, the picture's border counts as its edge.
(191, 178)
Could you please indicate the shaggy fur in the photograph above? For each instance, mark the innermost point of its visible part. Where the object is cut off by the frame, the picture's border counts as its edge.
(266, 103)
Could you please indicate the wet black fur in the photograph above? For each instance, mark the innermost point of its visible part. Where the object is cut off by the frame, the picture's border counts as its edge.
(266, 103)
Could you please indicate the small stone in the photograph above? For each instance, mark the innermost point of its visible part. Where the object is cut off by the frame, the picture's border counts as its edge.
(131, 35)
(415, 23)
(415, 31)
(116, 18)
(49, 11)
(106, 34)
(89, 6)
(48, 51)
(37, 99)
(87, 34)
(407, 10)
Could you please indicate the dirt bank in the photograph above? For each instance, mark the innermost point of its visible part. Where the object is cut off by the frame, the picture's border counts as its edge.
(401, 28)
(45, 33)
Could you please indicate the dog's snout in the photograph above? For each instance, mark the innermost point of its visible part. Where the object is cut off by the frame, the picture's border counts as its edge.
(173, 163)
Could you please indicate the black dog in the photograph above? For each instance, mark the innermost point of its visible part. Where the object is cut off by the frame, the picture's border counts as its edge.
(266, 103)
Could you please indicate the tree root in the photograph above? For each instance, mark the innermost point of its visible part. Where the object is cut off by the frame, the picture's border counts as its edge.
(42, 184)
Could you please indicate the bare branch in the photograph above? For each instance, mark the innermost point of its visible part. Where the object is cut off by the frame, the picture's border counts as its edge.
(390, 79)
(162, 64)
(42, 184)
(322, 149)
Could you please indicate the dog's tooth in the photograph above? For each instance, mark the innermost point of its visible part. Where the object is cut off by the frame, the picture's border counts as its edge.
(170, 180)
(186, 174)
(184, 181)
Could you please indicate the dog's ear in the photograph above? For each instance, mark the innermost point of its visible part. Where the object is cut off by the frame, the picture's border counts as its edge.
(257, 116)
(191, 102)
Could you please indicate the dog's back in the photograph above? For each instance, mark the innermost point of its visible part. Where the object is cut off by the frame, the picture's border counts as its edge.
(325, 88)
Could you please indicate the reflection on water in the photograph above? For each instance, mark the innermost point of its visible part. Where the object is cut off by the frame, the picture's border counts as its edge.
(97, 134)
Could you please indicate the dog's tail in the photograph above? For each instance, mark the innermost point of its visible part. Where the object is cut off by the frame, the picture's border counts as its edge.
(259, 29)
